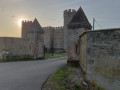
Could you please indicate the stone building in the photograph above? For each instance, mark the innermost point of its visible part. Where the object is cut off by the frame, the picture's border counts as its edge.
(30, 44)
(77, 25)
(57, 37)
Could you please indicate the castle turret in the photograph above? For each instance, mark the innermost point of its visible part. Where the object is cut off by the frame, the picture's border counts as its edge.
(68, 15)
(34, 34)
(26, 28)
(76, 27)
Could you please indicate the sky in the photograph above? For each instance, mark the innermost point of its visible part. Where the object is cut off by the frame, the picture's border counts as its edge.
(50, 13)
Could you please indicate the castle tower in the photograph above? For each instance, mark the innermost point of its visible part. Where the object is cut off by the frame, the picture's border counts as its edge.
(33, 33)
(68, 15)
(26, 28)
(76, 27)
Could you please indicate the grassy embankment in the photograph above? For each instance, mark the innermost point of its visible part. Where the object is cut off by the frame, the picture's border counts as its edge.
(63, 79)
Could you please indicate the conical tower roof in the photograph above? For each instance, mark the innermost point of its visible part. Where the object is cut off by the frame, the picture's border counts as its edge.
(37, 26)
(79, 20)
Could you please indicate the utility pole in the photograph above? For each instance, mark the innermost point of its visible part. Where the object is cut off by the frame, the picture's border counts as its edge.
(93, 23)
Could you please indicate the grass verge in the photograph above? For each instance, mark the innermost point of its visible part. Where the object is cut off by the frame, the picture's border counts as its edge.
(60, 81)
(67, 79)
(55, 55)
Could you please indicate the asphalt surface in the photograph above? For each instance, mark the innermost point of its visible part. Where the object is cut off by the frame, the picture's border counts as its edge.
(28, 75)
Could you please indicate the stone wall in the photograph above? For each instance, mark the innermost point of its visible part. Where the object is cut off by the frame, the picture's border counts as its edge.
(47, 38)
(103, 57)
(13, 47)
(59, 38)
(83, 52)
(73, 35)
(54, 37)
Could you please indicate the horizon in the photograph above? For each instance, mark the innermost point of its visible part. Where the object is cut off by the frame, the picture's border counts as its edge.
(50, 13)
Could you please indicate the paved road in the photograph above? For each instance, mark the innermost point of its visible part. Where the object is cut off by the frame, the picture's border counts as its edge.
(28, 75)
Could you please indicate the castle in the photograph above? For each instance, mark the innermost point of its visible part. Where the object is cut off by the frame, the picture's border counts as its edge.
(31, 44)
(57, 37)
(36, 39)
(96, 51)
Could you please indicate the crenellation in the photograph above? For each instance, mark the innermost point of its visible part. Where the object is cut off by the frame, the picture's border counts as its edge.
(69, 11)
(55, 28)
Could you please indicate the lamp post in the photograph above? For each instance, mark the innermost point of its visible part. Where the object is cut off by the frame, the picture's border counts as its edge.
(53, 43)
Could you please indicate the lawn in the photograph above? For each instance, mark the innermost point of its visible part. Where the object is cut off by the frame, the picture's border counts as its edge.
(55, 55)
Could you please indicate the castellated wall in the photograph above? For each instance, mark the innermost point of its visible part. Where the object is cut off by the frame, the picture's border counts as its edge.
(100, 57)
(54, 35)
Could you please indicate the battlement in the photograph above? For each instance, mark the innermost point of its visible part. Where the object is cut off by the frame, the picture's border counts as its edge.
(26, 22)
(69, 11)
(47, 28)
(55, 28)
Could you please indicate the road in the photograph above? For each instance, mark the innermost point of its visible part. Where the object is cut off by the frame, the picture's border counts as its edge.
(28, 75)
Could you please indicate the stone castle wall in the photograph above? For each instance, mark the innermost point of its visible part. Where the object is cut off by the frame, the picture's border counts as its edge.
(54, 35)
(30, 44)
(73, 43)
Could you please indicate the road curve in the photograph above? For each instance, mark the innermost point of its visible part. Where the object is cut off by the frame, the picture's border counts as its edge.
(28, 75)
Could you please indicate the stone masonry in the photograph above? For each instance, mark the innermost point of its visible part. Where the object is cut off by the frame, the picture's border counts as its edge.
(30, 44)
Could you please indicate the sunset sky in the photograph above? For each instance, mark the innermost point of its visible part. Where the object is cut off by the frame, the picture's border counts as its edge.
(50, 13)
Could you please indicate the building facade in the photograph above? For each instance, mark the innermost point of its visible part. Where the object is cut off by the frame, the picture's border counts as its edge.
(54, 38)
